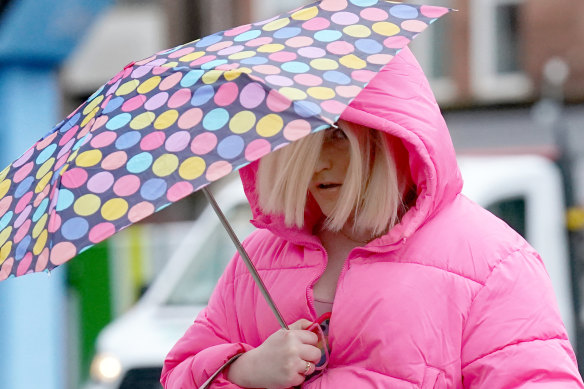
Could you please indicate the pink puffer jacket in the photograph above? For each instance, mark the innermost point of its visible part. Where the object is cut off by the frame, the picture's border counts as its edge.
(449, 298)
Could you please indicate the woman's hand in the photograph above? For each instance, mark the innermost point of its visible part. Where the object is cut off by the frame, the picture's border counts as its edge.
(279, 362)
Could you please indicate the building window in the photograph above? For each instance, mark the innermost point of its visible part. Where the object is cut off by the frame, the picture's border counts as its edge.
(496, 69)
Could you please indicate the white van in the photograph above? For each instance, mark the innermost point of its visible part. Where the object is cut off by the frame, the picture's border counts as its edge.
(525, 191)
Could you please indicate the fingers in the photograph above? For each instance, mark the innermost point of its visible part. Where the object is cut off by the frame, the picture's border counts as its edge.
(307, 368)
(309, 353)
(301, 324)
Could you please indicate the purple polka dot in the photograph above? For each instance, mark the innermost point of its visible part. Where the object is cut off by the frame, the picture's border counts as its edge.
(100, 182)
(345, 18)
(178, 141)
(252, 95)
(156, 101)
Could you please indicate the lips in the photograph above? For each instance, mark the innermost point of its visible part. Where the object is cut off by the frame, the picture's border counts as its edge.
(328, 186)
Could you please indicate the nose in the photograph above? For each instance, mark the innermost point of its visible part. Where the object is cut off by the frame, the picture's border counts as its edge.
(324, 162)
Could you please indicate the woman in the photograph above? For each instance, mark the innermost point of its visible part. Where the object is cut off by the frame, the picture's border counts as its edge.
(425, 288)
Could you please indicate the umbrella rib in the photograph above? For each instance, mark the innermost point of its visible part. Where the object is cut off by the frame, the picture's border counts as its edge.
(250, 266)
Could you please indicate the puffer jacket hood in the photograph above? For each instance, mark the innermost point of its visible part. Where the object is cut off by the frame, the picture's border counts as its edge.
(398, 101)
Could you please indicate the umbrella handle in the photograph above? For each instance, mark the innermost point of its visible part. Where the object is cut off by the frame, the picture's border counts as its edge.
(245, 257)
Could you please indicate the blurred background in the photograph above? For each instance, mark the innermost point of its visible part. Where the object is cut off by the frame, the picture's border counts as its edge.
(508, 74)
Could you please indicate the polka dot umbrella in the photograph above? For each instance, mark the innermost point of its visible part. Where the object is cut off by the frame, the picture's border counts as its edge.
(168, 125)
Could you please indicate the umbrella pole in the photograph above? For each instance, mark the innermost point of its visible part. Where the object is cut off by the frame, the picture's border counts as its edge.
(245, 257)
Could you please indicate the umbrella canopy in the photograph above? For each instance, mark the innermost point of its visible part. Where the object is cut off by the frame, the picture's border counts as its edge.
(172, 123)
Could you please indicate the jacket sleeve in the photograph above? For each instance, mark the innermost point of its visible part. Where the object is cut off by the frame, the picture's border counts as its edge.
(514, 335)
(207, 344)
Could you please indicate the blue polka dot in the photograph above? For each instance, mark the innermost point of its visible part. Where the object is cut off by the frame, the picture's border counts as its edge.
(287, 32)
(230, 147)
(96, 93)
(327, 35)
(337, 77)
(306, 109)
(71, 122)
(40, 211)
(22, 248)
(254, 61)
(213, 64)
(153, 189)
(23, 187)
(118, 121)
(295, 67)
(209, 40)
(191, 78)
(215, 119)
(113, 104)
(139, 163)
(364, 3)
(65, 199)
(74, 228)
(4, 220)
(202, 95)
(46, 153)
(81, 142)
(403, 11)
(368, 46)
(248, 35)
(128, 140)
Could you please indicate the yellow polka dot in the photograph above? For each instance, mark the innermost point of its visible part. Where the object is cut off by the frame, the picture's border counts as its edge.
(89, 158)
(292, 93)
(192, 56)
(45, 167)
(231, 75)
(89, 117)
(244, 70)
(242, 55)
(72, 156)
(357, 31)
(92, 104)
(40, 243)
(127, 87)
(39, 226)
(114, 209)
(276, 24)
(352, 62)
(192, 168)
(321, 93)
(142, 121)
(4, 173)
(5, 251)
(169, 64)
(324, 64)
(165, 165)
(149, 84)
(87, 205)
(4, 234)
(43, 182)
(271, 48)
(242, 122)
(305, 14)
(386, 28)
(269, 125)
(211, 76)
(4, 187)
(166, 119)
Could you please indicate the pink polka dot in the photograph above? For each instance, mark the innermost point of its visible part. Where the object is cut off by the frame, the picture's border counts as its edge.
(23, 216)
(23, 172)
(237, 30)
(267, 69)
(24, 158)
(218, 170)
(190, 118)
(47, 141)
(145, 60)
(299, 41)
(101, 232)
(316, 24)
(340, 47)
(380, 59)
(296, 129)
(159, 70)
(259, 41)
(103, 139)
(179, 98)
(348, 90)
(227, 66)
(179, 53)
(179, 190)
(414, 25)
(23, 202)
(277, 102)
(204, 143)
(74, 178)
(22, 231)
(5, 204)
(24, 264)
(219, 46)
(41, 196)
(433, 11)
(363, 75)
(152, 141)
(374, 14)
(100, 182)
(61, 161)
(106, 101)
(99, 122)
(6, 268)
(226, 94)
(396, 42)
(65, 149)
(62, 252)
(54, 222)
(140, 211)
(115, 160)
(257, 149)
(170, 81)
(333, 107)
(127, 185)
(42, 260)
(231, 50)
(134, 103)
(308, 79)
(68, 135)
(202, 60)
(333, 5)
(283, 56)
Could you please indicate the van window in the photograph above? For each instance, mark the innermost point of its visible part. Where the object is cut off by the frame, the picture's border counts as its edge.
(207, 265)
(512, 211)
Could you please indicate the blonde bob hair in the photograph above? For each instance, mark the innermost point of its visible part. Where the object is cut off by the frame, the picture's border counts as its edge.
(371, 195)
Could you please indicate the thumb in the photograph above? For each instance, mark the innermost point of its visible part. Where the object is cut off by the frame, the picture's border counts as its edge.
(301, 324)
